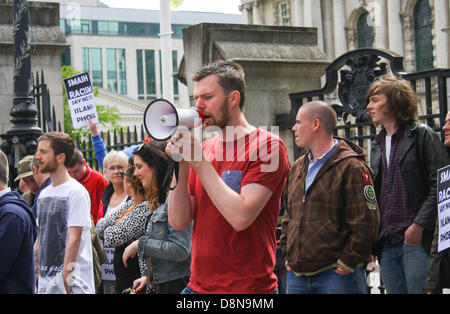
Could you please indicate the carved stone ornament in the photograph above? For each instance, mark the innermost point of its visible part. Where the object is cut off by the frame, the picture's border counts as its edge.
(355, 83)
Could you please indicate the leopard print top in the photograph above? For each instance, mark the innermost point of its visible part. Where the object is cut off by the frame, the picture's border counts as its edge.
(128, 229)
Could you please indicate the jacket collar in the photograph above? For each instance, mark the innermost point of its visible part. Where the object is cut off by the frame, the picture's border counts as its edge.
(408, 139)
(344, 149)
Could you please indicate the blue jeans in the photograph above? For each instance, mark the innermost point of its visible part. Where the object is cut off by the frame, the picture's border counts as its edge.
(404, 268)
(188, 290)
(328, 282)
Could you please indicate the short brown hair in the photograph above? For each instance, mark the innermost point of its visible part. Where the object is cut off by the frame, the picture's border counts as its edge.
(401, 98)
(61, 143)
(77, 158)
(231, 77)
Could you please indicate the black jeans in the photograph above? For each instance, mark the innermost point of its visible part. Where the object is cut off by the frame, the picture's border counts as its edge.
(172, 287)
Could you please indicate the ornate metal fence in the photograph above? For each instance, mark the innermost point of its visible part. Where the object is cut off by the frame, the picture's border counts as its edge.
(114, 140)
(347, 80)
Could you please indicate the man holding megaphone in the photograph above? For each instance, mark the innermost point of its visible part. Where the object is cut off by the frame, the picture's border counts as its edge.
(230, 186)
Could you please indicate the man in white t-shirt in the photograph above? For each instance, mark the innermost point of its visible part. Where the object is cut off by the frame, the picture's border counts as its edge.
(64, 242)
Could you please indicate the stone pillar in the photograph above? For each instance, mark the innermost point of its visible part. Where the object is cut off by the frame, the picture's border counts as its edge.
(408, 35)
(307, 13)
(276, 63)
(296, 12)
(247, 14)
(441, 18)
(395, 32)
(48, 44)
(327, 25)
(340, 40)
(380, 14)
(258, 17)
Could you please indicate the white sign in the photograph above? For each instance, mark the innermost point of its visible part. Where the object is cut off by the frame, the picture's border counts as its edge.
(443, 189)
(80, 96)
(108, 267)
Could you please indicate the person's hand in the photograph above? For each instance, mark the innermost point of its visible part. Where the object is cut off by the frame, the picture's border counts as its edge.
(184, 146)
(413, 235)
(93, 127)
(67, 276)
(140, 284)
(130, 252)
(341, 271)
(371, 266)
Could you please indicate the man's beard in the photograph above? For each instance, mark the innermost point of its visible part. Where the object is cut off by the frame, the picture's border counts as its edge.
(223, 119)
(49, 167)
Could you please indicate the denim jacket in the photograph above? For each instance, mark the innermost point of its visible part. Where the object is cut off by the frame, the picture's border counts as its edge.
(168, 249)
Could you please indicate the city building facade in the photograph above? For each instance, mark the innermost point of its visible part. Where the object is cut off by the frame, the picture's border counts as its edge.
(415, 29)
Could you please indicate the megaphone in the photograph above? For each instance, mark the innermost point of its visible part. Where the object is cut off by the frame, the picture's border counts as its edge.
(161, 118)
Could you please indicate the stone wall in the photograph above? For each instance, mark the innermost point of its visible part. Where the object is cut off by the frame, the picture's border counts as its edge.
(47, 45)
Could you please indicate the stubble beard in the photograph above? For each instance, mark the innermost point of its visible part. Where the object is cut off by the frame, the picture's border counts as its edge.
(51, 166)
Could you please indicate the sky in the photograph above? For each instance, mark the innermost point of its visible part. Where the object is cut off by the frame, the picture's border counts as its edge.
(222, 6)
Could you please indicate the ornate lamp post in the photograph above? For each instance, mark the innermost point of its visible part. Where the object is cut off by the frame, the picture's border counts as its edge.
(21, 139)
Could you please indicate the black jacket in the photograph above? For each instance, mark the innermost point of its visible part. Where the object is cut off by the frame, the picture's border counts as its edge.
(421, 155)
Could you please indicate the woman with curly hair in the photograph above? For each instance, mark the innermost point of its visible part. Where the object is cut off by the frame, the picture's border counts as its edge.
(164, 253)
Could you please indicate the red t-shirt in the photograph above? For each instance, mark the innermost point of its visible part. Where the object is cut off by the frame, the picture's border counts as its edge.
(224, 260)
(95, 183)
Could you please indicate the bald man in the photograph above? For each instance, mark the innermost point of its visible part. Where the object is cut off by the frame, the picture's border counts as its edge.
(331, 218)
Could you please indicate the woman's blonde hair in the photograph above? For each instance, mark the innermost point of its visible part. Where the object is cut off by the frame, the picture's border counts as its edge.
(111, 157)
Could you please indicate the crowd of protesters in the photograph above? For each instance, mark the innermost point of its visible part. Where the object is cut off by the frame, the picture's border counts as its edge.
(207, 223)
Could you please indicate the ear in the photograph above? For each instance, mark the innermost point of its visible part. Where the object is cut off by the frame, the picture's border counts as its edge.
(316, 124)
(234, 98)
(61, 158)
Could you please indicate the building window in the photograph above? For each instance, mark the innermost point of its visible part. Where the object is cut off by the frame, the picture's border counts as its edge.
(116, 70)
(65, 58)
(176, 95)
(284, 13)
(177, 30)
(423, 35)
(108, 28)
(365, 31)
(146, 74)
(79, 27)
(92, 63)
(111, 28)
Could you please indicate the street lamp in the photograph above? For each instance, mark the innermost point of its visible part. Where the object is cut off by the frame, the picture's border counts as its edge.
(21, 138)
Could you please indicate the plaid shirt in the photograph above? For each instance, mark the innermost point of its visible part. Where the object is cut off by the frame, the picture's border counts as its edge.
(396, 214)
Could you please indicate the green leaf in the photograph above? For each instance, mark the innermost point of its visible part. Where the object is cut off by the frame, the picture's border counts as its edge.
(175, 4)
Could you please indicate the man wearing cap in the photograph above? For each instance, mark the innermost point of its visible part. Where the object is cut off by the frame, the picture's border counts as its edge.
(25, 175)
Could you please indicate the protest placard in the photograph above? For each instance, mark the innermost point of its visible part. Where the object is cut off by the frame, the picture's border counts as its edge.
(80, 96)
(443, 190)
(107, 268)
